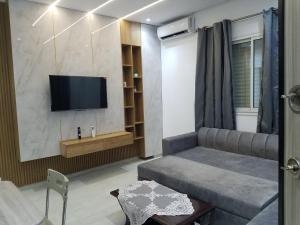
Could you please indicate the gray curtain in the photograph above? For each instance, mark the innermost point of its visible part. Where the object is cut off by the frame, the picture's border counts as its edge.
(213, 91)
(268, 114)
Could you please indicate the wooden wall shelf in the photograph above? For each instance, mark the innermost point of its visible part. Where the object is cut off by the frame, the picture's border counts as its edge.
(138, 138)
(75, 147)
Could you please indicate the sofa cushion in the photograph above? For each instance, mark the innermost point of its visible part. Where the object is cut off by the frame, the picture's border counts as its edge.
(244, 164)
(269, 216)
(254, 144)
(233, 192)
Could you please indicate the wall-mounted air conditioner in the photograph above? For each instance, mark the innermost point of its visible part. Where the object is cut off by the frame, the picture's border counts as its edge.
(176, 29)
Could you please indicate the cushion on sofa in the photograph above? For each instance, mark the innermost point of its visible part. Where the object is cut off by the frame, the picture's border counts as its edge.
(269, 216)
(233, 192)
(244, 164)
(254, 144)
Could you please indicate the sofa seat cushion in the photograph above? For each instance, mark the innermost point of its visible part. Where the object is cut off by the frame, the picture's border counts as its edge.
(248, 165)
(269, 216)
(236, 193)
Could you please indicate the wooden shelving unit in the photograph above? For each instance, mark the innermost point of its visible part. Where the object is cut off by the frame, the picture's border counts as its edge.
(133, 85)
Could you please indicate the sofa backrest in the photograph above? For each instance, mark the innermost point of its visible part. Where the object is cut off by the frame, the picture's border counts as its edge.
(254, 144)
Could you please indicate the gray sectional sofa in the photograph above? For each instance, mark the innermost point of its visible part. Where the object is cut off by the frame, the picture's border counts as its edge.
(235, 171)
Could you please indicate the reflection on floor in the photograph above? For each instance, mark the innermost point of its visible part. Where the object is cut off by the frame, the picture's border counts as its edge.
(89, 200)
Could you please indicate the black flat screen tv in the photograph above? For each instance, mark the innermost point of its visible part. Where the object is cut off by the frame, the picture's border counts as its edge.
(77, 92)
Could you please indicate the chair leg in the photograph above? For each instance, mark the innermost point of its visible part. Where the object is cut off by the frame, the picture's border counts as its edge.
(127, 221)
(47, 203)
(64, 212)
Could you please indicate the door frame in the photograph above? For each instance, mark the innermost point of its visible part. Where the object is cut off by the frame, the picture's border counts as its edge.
(281, 160)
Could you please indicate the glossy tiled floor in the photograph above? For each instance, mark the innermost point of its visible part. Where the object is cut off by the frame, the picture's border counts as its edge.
(89, 200)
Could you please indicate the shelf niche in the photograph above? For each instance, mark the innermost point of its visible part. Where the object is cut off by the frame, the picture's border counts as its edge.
(133, 85)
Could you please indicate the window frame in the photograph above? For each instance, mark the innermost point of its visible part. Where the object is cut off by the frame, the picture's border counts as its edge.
(252, 109)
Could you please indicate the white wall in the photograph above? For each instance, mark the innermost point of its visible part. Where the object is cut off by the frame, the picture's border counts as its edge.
(178, 85)
(151, 55)
(179, 64)
(246, 122)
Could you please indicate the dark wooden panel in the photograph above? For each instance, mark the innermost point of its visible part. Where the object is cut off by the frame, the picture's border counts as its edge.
(29, 172)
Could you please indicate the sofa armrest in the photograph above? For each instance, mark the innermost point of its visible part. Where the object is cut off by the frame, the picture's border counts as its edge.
(268, 216)
(179, 143)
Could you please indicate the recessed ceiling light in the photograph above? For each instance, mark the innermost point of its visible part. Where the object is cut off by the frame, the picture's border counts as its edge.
(148, 20)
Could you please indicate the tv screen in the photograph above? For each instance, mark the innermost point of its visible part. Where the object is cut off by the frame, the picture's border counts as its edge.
(77, 93)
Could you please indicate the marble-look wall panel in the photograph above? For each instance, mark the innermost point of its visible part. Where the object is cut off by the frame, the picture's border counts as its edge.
(33, 62)
(41, 130)
(73, 57)
(73, 47)
(107, 42)
(152, 81)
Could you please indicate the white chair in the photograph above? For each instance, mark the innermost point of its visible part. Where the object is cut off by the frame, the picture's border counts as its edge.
(59, 183)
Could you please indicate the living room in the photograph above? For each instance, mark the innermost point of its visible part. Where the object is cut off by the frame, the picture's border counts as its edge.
(148, 112)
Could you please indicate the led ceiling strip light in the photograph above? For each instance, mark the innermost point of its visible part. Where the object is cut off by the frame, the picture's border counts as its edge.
(45, 13)
(77, 21)
(128, 15)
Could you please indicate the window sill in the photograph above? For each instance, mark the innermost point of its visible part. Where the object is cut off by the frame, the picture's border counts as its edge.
(250, 113)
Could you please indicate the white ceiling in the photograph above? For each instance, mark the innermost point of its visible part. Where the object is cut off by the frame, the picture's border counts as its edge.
(161, 13)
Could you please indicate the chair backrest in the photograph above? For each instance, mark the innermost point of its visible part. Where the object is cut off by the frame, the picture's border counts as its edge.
(59, 183)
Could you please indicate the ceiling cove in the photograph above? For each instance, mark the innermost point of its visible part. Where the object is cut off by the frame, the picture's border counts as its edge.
(166, 11)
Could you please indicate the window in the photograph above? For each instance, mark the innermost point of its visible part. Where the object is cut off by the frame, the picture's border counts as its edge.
(247, 72)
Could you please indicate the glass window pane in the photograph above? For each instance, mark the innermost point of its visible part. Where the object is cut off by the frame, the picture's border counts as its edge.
(242, 74)
(257, 70)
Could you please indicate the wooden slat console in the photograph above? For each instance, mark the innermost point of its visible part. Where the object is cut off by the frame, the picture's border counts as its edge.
(75, 147)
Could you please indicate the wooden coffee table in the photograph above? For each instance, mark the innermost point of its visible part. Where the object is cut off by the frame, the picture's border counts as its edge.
(201, 209)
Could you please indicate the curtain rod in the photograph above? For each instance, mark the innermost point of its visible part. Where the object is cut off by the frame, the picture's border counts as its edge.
(239, 19)
(246, 17)
(252, 15)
